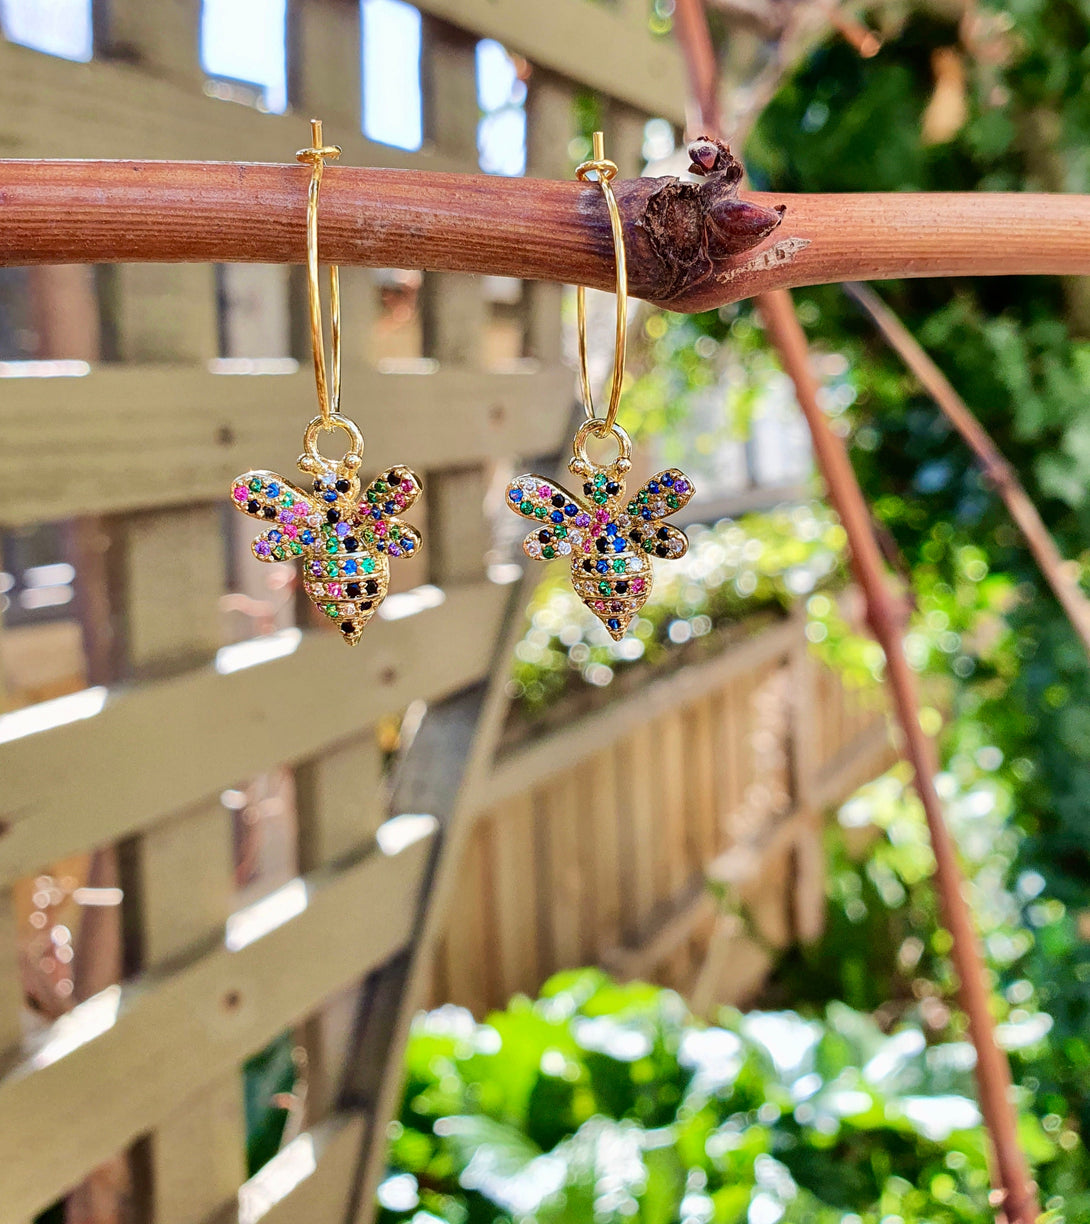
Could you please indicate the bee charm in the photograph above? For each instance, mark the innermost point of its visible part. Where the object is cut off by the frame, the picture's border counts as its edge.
(344, 539)
(608, 538)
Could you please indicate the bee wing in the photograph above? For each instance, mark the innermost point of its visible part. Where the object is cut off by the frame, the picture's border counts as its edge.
(391, 493)
(664, 493)
(557, 514)
(286, 509)
(402, 539)
(660, 539)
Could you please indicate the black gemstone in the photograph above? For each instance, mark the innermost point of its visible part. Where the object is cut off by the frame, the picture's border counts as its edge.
(558, 501)
(252, 506)
(350, 544)
(588, 488)
(588, 566)
(353, 589)
(332, 516)
(317, 486)
(366, 606)
(661, 550)
(342, 486)
(392, 477)
(621, 588)
(347, 626)
(269, 512)
(613, 488)
(371, 586)
(635, 534)
(662, 533)
(544, 536)
(602, 544)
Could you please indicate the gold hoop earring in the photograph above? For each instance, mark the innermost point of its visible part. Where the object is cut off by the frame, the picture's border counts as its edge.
(343, 538)
(608, 538)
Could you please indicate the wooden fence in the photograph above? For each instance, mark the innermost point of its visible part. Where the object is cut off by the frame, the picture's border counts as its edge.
(131, 1092)
(602, 842)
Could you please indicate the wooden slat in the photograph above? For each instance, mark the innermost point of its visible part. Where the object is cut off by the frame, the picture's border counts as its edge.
(166, 1038)
(308, 1182)
(164, 40)
(516, 897)
(222, 728)
(11, 977)
(122, 439)
(602, 818)
(324, 62)
(562, 880)
(53, 108)
(339, 800)
(638, 68)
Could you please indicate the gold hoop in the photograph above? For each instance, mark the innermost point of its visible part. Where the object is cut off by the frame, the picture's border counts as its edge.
(329, 405)
(312, 461)
(605, 171)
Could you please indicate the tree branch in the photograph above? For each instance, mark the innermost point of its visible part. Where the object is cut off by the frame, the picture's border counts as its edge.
(691, 247)
(1056, 571)
(885, 617)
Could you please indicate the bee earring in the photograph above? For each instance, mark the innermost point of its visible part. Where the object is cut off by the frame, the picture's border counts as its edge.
(608, 538)
(343, 539)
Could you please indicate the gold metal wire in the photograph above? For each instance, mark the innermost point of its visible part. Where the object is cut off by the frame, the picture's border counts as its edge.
(329, 405)
(605, 171)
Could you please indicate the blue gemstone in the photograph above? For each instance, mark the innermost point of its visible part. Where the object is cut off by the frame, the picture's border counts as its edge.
(611, 529)
(273, 490)
(349, 566)
(602, 567)
(613, 623)
(389, 507)
(407, 544)
(652, 486)
(556, 517)
(619, 544)
(307, 537)
(569, 510)
(380, 546)
(668, 480)
(645, 514)
(515, 495)
(274, 536)
(331, 496)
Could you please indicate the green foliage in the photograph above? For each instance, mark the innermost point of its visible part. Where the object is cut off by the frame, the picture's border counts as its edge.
(602, 1102)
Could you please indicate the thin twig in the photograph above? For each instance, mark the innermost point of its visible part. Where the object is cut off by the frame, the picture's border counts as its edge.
(1056, 570)
(57, 212)
(886, 621)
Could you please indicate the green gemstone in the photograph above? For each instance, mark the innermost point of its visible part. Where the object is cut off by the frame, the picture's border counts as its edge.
(548, 552)
(369, 537)
(604, 588)
(395, 533)
(672, 502)
(540, 512)
(526, 508)
(379, 486)
(255, 486)
(642, 499)
(367, 565)
(332, 545)
(600, 499)
(287, 500)
(599, 478)
(331, 569)
(633, 508)
(648, 544)
(296, 548)
(560, 531)
(330, 609)
(372, 496)
(278, 553)
(618, 566)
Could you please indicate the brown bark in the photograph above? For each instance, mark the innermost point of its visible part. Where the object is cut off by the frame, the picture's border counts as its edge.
(691, 247)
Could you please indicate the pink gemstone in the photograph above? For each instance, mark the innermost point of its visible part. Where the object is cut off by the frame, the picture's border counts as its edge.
(545, 491)
(380, 529)
(335, 590)
(291, 531)
(241, 494)
(637, 585)
(399, 502)
(601, 516)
